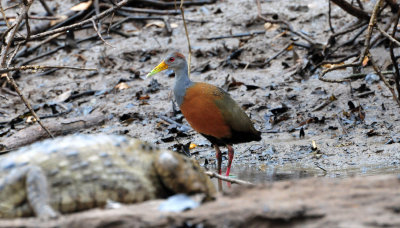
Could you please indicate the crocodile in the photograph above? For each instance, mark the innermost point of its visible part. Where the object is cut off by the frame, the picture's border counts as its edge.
(79, 172)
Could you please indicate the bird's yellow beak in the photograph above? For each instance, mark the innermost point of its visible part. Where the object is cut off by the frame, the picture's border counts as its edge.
(162, 66)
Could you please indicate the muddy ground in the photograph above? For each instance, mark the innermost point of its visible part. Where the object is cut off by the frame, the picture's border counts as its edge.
(347, 144)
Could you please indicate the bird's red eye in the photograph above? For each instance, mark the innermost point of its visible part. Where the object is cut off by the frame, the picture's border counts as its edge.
(171, 59)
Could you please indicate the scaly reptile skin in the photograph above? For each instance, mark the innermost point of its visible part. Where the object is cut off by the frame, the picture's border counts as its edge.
(80, 172)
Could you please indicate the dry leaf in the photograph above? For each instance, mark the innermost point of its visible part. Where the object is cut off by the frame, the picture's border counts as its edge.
(192, 146)
(279, 35)
(290, 47)
(365, 61)
(63, 97)
(159, 24)
(174, 25)
(60, 18)
(82, 6)
(30, 119)
(270, 27)
(263, 167)
(329, 65)
(145, 97)
(267, 25)
(121, 86)
(313, 145)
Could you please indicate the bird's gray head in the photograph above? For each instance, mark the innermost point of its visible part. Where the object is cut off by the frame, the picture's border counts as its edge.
(174, 61)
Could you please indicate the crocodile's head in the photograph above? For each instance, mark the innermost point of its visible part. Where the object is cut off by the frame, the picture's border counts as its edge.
(181, 174)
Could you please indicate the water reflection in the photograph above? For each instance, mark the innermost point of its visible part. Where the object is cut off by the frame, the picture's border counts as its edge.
(262, 174)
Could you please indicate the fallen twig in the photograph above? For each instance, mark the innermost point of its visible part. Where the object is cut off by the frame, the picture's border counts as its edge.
(352, 10)
(371, 25)
(181, 127)
(392, 39)
(129, 17)
(99, 34)
(187, 36)
(378, 71)
(58, 127)
(4, 15)
(357, 25)
(150, 11)
(267, 61)
(47, 8)
(55, 50)
(79, 24)
(364, 94)
(288, 26)
(362, 75)
(4, 50)
(163, 4)
(29, 50)
(329, 100)
(393, 58)
(232, 36)
(228, 179)
(330, 16)
(341, 125)
(39, 67)
(394, 5)
(363, 55)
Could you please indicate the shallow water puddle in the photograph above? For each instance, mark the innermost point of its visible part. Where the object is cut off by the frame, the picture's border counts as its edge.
(255, 174)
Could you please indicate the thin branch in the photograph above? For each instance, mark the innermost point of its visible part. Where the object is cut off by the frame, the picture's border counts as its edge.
(228, 179)
(10, 35)
(350, 9)
(392, 40)
(11, 7)
(38, 67)
(357, 25)
(150, 11)
(394, 61)
(371, 25)
(187, 36)
(11, 80)
(28, 27)
(79, 24)
(47, 8)
(3, 55)
(394, 5)
(237, 35)
(330, 16)
(4, 15)
(321, 77)
(365, 52)
(49, 18)
(288, 26)
(267, 61)
(98, 33)
(360, 4)
(38, 45)
(378, 71)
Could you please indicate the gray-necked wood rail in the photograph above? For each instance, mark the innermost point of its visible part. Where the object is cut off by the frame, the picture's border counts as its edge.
(209, 109)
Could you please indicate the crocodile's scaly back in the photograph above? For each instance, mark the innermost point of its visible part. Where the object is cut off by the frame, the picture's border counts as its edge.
(84, 171)
(182, 174)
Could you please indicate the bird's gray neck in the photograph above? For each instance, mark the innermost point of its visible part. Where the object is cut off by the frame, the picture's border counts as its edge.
(182, 82)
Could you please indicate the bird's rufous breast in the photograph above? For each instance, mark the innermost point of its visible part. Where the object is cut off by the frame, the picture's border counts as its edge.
(201, 112)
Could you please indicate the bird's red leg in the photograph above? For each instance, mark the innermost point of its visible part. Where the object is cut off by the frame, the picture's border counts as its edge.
(230, 158)
(219, 158)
